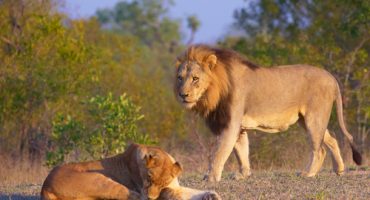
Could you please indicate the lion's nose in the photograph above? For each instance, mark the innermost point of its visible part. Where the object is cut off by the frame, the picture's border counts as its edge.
(183, 95)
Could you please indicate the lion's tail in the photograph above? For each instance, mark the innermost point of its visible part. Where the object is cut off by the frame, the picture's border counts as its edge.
(339, 104)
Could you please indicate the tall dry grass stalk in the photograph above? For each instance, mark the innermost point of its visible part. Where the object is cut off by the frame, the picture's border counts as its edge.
(15, 172)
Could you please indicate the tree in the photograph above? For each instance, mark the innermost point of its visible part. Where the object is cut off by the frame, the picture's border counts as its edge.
(150, 81)
(32, 83)
(112, 123)
(145, 19)
(193, 25)
(38, 80)
(50, 64)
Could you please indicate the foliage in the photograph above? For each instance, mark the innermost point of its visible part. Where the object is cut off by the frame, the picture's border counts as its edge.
(144, 18)
(66, 137)
(193, 25)
(50, 64)
(111, 124)
(34, 85)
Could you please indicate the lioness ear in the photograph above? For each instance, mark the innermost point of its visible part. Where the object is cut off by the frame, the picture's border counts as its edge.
(211, 61)
(149, 160)
(176, 169)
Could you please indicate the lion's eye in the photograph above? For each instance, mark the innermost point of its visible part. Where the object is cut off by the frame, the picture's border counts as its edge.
(195, 78)
(179, 78)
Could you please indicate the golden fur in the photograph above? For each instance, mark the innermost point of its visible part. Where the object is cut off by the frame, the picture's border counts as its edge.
(139, 169)
(235, 95)
(141, 172)
(219, 85)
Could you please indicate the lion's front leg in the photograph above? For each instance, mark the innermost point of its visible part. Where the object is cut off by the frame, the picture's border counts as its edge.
(225, 145)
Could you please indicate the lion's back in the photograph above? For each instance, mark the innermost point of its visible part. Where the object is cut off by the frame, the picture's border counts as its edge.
(296, 80)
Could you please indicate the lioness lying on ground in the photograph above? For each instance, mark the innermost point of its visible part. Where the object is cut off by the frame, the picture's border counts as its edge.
(141, 172)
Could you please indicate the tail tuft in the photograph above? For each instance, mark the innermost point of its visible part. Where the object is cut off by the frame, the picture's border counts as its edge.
(356, 155)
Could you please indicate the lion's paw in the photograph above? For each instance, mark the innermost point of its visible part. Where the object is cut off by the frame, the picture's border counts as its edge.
(339, 173)
(211, 196)
(210, 178)
(305, 174)
(236, 176)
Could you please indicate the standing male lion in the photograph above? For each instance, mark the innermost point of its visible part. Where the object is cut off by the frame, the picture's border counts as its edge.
(234, 95)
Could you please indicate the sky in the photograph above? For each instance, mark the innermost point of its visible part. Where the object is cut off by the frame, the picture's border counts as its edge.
(215, 16)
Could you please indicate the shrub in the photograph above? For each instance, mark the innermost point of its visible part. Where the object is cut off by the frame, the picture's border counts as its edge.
(111, 123)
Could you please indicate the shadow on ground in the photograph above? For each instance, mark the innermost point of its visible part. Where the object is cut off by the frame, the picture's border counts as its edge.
(19, 197)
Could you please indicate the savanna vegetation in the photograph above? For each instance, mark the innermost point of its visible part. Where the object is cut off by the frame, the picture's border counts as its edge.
(77, 89)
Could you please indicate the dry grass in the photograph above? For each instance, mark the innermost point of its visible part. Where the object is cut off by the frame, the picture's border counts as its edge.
(21, 180)
(261, 185)
(287, 185)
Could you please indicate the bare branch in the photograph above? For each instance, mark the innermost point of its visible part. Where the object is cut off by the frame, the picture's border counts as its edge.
(353, 59)
(10, 43)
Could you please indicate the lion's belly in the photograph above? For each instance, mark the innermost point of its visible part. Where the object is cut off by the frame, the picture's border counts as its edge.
(271, 123)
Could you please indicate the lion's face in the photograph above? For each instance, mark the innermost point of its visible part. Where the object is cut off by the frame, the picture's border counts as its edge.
(159, 172)
(192, 82)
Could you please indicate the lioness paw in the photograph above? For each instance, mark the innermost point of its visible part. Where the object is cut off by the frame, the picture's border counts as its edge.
(211, 196)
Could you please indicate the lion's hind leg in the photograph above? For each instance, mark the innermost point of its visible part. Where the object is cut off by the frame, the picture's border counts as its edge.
(316, 123)
(241, 150)
(90, 185)
(102, 187)
(317, 159)
(46, 195)
(332, 144)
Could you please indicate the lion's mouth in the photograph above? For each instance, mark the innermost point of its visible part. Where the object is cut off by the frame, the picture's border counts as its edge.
(188, 104)
(185, 101)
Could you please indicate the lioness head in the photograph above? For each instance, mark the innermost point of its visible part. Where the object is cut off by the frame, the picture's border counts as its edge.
(159, 171)
(201, 78)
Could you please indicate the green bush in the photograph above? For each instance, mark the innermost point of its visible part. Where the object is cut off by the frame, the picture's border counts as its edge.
(111, 123)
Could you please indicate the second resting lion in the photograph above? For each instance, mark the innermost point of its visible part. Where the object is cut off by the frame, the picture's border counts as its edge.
(141, 172)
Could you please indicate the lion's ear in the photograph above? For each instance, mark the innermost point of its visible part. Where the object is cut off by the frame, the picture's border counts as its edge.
(149, 160)
(176, 169)
(211, 61)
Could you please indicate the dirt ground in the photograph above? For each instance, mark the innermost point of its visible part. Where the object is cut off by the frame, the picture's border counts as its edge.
(287, 185)
(261, 185)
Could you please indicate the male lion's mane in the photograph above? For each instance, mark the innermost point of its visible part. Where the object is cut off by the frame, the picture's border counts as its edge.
(214, 105)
